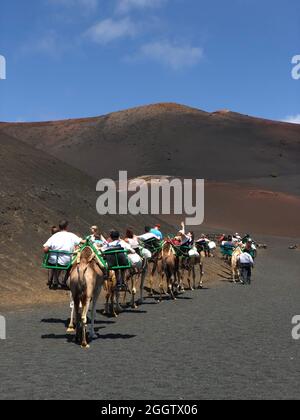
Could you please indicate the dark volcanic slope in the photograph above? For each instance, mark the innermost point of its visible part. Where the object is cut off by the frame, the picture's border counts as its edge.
(37, 191)
(174, 140)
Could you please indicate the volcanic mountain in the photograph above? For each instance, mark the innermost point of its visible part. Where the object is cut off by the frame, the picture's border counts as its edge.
(37, 191)
(49, 172)
(175, 140)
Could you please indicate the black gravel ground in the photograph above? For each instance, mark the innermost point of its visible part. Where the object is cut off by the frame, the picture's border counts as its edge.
(226, 342)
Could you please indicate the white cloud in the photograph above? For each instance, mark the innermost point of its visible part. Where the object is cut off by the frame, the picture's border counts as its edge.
(125, 6)
(49, 44)
(109, 30)
(294, 119)
(172, 55)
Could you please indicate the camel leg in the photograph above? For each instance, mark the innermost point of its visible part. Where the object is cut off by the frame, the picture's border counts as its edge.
(200, 280)
(189, 279)
(78, 323)
(233, 274)
(71, 327)
(143, 277)
(125, 296)
(238, 274)
(194, 277)
(181, 282)
(171, 288)
(181, 278)
(201, 276)
(151, 283)
(118, 306)
(94, 307)
(112, 309)
(174, 288)
(161, 288)
(85, 309)
(117, 294)
(106, 306)
(152, 279)
(177, 278)
(133, 290)
(170, 291)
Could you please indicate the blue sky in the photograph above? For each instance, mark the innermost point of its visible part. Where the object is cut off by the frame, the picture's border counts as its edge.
(77, 58)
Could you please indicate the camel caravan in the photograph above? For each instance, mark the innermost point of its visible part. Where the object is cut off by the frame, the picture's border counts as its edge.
(121, 266)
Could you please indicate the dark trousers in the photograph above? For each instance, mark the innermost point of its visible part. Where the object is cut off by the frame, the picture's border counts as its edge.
(58, 277)
(246, 272)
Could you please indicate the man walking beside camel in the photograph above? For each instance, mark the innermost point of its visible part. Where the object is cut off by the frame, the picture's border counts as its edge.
(246, 265)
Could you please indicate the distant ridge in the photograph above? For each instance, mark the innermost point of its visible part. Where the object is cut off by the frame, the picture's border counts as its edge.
(173, 139)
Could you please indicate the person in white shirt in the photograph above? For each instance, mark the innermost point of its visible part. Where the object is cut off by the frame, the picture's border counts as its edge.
(61, 242)
(132, 240)
(117, 242)
(246, 264)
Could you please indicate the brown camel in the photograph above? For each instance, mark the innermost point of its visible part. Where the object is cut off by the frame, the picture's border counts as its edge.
(86, 281)
(168, 267)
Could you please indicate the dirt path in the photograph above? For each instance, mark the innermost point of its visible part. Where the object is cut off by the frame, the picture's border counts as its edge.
(223, 342)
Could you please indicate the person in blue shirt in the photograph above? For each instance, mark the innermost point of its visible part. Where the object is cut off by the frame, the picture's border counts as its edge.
(156, 231)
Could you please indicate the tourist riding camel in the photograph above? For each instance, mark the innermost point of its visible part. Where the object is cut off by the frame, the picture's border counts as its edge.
(65, 243)
(203, 245)
(96, 237)
(119, 244)
(132, 240)
(148, 235)
(187, 239)
(157, 232)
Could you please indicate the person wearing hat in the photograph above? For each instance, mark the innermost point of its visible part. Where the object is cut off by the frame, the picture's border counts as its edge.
(246, 238)
(248, 245)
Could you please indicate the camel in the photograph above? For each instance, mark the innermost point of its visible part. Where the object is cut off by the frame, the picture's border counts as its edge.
(133, 275)
(112, 296)
(167, 267)
(189, 264)
(235, 264)
(150, 266)
(86, 281)
(193, 262)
